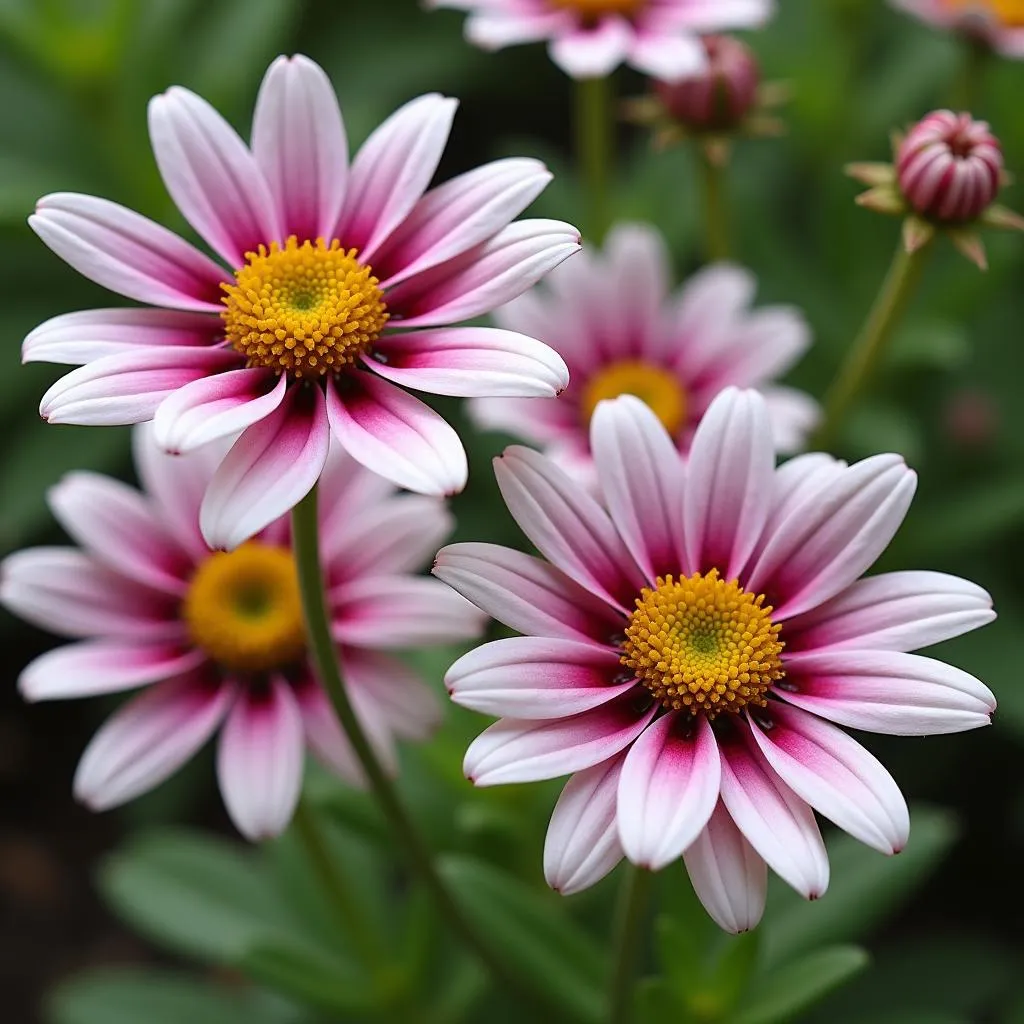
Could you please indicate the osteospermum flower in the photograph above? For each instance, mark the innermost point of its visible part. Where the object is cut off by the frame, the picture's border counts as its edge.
(997, 23)
(217, 638)
(690, 642)
(337, 289)
(590, 38)
(621, 331)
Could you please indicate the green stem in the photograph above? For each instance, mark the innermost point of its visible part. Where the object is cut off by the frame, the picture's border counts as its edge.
(630, 916)
(594, 149)
(306, 545)
(716, 221)
(866, 350)
(967, 88)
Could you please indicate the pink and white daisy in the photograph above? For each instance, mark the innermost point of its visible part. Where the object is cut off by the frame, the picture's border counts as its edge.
(997, 23)
(217, 638)
(621, 331)
(689, 642)
(336, 292)
(590, 38)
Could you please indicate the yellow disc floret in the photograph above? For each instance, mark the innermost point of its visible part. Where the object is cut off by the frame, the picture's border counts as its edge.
(658, 387)
(244, 610)
(306, 310)
(1009, 12)
(700, 643)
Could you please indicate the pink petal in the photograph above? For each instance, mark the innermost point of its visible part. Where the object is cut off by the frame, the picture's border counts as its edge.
(392, 171)
(514, 750)
(458, 215)
(216, 407)
(298, 141)
(540, 422)
(526, 594)
(149, 739)
(494, 30)
(794, 416)
(567, 525)
(668, 789)
(260, 760)
(582, 843)
(728, 478)
(393, 434)
(775, 821)
(881, 691)
(836, 776)
(798, 481)
(484, 277)
(470, 362)
(129, 387)
(668, 57)
(763, 345)
(116, 524)
(79, 338)
(69, 593)
(641, 477)
(730, 879)
(533, 678)
(593, 53)
(93, 667)
(897, 611)
(269, 470)
(401, 611)
(705, 16)
(128, 253)
(211, 175)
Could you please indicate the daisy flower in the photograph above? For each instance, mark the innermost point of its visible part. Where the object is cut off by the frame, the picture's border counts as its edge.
(337, 290)
(621, 331)
(590, 38)
(998, 23)
(690, 642)
(217, 638)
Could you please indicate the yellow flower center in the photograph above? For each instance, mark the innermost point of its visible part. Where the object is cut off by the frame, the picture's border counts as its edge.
(244, 610)
(703, 644)
(306, 310)
(1009, 12)
(592, 10)
(655, 385)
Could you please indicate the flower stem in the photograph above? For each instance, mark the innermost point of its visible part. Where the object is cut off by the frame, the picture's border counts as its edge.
(967, 87)
(716, 221)
(306, 545)
(866, 350)
(594, 149)
(630, 915)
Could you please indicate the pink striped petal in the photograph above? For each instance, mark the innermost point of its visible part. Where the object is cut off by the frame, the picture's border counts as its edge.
(471, 362)
(730, 879)
(79, 338)
(484, 277)
(298, 141)
(729, 477)
(392, 171)
(533, 678)
(798, 482)
(69, 593)
(897, 611)
(149, 739)
(402, 611)
(514, 750)
(92, 667)
(833, 534)
(641, 477)
(129, 387)
(835, 775)
(887, 692)
(525, 593)
(128, 253)
(458, 215)
(395, 435)
(582, 843)
(669, 787)
(211, 175)
(775, 821)
(567, 525)
(216, 407)
(762, 346)
(260, 760)
(392, 694)
(269, 470)
(635, 279)
(121, 528)
(593, 52)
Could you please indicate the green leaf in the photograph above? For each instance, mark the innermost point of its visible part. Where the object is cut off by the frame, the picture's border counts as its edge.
(789, 990)
(532, 934)
(656, 1003)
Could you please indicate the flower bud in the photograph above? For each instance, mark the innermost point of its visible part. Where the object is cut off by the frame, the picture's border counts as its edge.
(950, 167)
(721, 96)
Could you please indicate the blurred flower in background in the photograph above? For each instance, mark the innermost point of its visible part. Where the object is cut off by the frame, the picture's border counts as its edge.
(997, 23)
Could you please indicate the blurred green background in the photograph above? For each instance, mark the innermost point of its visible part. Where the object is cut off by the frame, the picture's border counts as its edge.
(79, 891)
